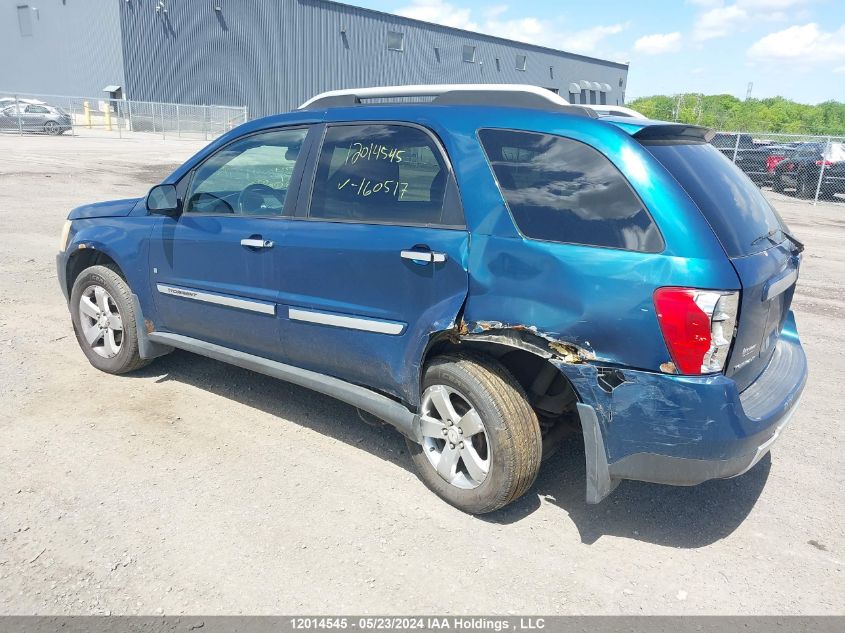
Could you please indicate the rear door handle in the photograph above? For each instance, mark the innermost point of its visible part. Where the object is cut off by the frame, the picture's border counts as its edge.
(424, 256)
(252, 242)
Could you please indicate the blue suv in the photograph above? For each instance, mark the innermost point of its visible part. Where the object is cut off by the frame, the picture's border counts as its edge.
(485, 271)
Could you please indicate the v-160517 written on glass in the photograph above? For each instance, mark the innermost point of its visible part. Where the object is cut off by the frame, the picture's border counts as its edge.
(366, 187)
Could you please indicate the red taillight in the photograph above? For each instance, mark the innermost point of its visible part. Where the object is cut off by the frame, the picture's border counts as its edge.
(824, 163)
(772, 162)
(698, 326)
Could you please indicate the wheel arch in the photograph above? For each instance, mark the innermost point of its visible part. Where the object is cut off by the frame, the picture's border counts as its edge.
(525, 355)
(85, 256)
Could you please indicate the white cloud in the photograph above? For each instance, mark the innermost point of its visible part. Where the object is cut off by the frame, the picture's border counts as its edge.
(718, 22)
(658, 43)
(493, 21)
(719, 19)
(495, 11)
(805, 43)
(839, 70)
(770, 5)
(439, 12)
(589, 39)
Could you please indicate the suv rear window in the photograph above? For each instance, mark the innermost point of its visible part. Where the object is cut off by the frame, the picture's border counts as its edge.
(733, 205)
(561, 190)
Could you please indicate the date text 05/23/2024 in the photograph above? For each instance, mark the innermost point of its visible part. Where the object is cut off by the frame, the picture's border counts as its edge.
(423, 623)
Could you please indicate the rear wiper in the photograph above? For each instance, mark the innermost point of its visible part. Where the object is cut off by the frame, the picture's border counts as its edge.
(799, 246)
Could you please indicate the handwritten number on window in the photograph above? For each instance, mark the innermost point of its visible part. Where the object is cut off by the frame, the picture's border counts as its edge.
(366, 187)
(373, 151)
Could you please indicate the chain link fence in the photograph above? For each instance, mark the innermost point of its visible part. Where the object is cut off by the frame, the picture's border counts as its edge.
(803, 168)
(117, 118)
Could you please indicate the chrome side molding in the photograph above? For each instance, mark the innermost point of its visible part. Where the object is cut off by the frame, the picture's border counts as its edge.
(252, 305)
(341, 320)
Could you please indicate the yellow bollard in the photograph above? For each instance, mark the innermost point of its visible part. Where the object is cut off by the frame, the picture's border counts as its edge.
(108, 116)
(86, 110)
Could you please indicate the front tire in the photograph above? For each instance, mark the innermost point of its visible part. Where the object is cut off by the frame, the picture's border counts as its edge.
(103, 317)
(482, 445)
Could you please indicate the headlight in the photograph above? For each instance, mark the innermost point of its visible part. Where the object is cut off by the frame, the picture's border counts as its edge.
(65, 236)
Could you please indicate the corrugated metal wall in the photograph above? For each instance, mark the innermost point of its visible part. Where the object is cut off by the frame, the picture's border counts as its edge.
(73, 47)
(271, 55)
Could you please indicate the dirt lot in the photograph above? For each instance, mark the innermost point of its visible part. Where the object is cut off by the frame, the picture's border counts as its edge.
(195, 487)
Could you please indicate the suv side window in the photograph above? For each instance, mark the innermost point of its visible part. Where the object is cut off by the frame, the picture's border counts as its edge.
(250, 176)
(561, 190)
(381, 173)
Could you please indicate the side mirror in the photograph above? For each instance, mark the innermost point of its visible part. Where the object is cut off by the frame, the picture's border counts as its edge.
(163, 200)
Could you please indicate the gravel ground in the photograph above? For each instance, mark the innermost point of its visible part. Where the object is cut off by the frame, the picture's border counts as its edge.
(196, 487)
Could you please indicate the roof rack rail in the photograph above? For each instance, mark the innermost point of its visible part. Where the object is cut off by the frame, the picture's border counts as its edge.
(512, 95)
(615, 110)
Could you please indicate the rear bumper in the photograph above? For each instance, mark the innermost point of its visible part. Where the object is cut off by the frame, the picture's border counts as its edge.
(685, 471)
(833, 184)
(684, 430)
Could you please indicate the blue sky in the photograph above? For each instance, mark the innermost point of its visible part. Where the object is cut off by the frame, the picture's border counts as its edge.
(792, 48)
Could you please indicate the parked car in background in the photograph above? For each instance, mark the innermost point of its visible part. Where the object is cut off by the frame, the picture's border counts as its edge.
(478, 277)
(776, 153)
(7, 101)
(809, 162)
(34, 117)
(756, 158)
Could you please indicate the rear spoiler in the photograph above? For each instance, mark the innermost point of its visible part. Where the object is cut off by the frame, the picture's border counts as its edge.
(674, 133)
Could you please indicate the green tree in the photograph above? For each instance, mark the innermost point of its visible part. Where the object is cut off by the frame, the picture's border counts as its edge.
(726, 112)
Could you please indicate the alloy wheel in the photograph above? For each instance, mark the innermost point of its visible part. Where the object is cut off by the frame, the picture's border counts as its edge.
(101, 322)
(50, 127)
(455, 441)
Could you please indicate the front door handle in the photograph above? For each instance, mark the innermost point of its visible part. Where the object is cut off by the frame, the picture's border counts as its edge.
(252, 242)
(426, 257)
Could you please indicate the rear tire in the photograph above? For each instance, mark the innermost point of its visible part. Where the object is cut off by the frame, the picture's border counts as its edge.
(473, 405)
(802, 189)
(103, 317)
(777, 184)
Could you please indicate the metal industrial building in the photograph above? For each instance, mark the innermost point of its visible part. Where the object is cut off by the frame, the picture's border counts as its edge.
(270, 55)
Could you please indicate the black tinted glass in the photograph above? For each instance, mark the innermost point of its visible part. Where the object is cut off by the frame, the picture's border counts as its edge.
(564, 191)
(381, 173)
(733, 205)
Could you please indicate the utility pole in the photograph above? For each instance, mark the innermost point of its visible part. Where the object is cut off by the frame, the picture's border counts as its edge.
(748, 92)
(676, 111)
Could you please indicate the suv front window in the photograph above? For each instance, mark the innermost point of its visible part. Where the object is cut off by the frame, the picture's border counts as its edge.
(249, 177)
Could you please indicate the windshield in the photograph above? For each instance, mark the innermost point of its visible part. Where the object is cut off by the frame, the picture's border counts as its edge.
(741, 217)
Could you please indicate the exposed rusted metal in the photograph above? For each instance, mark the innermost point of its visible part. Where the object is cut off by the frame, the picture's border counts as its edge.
(668, 368)
(526, 337)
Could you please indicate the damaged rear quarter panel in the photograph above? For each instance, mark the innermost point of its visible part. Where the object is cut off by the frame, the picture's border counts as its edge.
(596, 299)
